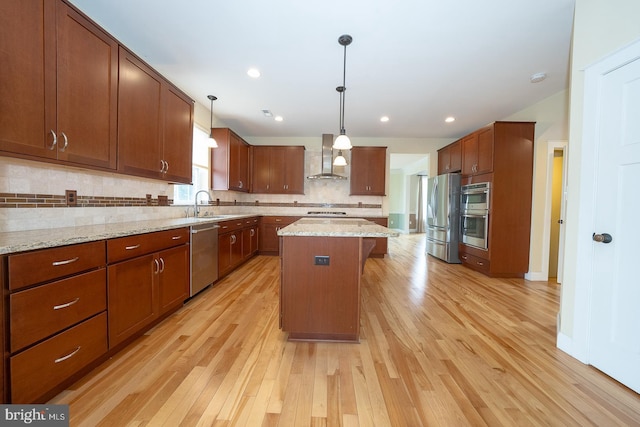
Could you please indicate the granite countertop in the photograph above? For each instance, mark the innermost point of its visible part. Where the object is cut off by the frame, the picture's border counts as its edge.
(336, 227)
(19, 241)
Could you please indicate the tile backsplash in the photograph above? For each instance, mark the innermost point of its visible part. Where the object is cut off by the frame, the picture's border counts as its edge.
(32, 196)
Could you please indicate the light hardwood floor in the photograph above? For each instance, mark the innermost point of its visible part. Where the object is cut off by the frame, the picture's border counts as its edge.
(440, 346)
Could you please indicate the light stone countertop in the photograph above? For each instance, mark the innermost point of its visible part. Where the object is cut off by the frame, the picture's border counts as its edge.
(19, 241)
(336, 227)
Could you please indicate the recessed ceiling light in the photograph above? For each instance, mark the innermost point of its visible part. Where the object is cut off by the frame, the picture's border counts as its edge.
(253, 72)
(537, 77)
(384, 119)
(450, 119)
(278, 118)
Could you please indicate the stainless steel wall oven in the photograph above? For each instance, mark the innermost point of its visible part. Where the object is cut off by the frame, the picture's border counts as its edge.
(474, 214)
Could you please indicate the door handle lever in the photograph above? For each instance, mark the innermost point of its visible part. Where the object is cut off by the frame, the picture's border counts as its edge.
(603, 238)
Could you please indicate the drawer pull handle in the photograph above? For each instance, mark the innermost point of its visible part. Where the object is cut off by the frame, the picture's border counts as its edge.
(65, 262)
(176, 238)
(63, 358)
(128, 248)
(157, 264)
(65, 305)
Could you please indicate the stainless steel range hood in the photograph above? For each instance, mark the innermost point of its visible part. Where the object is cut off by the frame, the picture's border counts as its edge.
(327, 160)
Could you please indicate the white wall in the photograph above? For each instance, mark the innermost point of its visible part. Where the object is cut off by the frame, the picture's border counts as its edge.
(600, 27)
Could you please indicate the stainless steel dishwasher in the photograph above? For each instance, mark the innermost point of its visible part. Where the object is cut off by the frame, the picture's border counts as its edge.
(204, 256)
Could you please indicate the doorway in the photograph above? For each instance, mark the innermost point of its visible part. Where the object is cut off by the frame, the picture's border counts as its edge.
(554, 227)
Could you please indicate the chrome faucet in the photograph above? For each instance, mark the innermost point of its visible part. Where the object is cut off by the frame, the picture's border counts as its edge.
(196, 210)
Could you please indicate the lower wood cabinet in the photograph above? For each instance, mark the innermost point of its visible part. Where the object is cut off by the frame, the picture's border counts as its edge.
(269, 243)
(381, 247)
(42, 367)
(144, 288)
(237, 242)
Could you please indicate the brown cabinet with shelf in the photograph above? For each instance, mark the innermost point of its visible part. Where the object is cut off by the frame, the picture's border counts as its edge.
(59, 100)
(148, 277)
(368, 171)
(380, 249)
(502, 154)
(229, 162)
(277, 169)
(57, 317)
(155, 124)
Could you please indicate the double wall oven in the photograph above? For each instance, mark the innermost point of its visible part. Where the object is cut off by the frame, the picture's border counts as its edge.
(474, 214)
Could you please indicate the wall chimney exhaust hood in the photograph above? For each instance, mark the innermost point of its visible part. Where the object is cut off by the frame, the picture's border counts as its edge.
(327, 160)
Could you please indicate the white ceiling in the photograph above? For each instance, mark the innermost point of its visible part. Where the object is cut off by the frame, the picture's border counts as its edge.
(416, 61)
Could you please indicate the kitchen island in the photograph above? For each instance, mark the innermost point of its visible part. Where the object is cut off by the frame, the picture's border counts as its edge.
(322, 262)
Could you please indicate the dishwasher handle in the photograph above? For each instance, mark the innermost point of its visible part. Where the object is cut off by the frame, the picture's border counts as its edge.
(202, 230)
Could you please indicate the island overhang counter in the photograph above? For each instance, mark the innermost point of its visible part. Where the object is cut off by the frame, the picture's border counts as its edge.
(322, 262)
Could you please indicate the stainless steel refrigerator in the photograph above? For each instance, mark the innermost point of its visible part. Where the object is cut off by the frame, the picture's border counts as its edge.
(443, 216)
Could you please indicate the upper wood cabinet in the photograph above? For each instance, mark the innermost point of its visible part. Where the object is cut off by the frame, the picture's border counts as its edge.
(477, 152)
(229, 161)
(155, 124)
(59, 96)
(368, 171)
(277, 169)
(450, 158)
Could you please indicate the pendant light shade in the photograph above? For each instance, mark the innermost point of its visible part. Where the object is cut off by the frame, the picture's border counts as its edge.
(343, 142)
(340, 160)
(211, 141)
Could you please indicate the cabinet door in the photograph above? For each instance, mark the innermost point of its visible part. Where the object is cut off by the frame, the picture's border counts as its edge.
(131, 297)
(261, 169)
(177, 145)
(87, 82)
(238, 164)
(269, 237)
(173, 277)
(469, 154)
(28, 87)
(368, 170)
(139, 118)
(444, 160)
(485, 150)
(293, 172)
(254, 231)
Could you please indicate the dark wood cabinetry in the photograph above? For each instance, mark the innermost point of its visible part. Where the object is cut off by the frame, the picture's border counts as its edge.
(269, 243)
(237, 242)
(380, 249)
(59, 96)
(229, 162)
(155, 124)
(321, 302)
(368, 171)
(277, 169)
(450, 158)
(477, 152)
(148, 276)
(57, 317)
(502, 154)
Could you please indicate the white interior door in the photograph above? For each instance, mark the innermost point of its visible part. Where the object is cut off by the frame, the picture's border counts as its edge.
(614, 340)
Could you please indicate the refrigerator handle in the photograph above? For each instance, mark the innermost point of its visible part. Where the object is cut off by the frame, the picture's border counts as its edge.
(434, 198)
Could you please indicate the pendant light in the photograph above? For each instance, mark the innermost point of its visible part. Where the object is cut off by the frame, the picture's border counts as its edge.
(211, 141)
(343, 142)
(340, 160)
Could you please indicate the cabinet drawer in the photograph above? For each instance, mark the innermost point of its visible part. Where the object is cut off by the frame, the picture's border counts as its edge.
(476, 263)
(39, 369)
(47, 264)
(140, 244)
(232, 225)
(45, 310)
(281, 220)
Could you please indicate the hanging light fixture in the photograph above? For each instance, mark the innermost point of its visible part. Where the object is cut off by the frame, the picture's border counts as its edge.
(211, 141)
(343, 142)
(339, 160)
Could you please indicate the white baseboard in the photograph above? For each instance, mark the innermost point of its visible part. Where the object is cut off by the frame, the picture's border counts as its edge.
(536, 276)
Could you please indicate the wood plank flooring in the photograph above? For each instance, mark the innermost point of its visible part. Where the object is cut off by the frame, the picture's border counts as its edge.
(440, 346)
